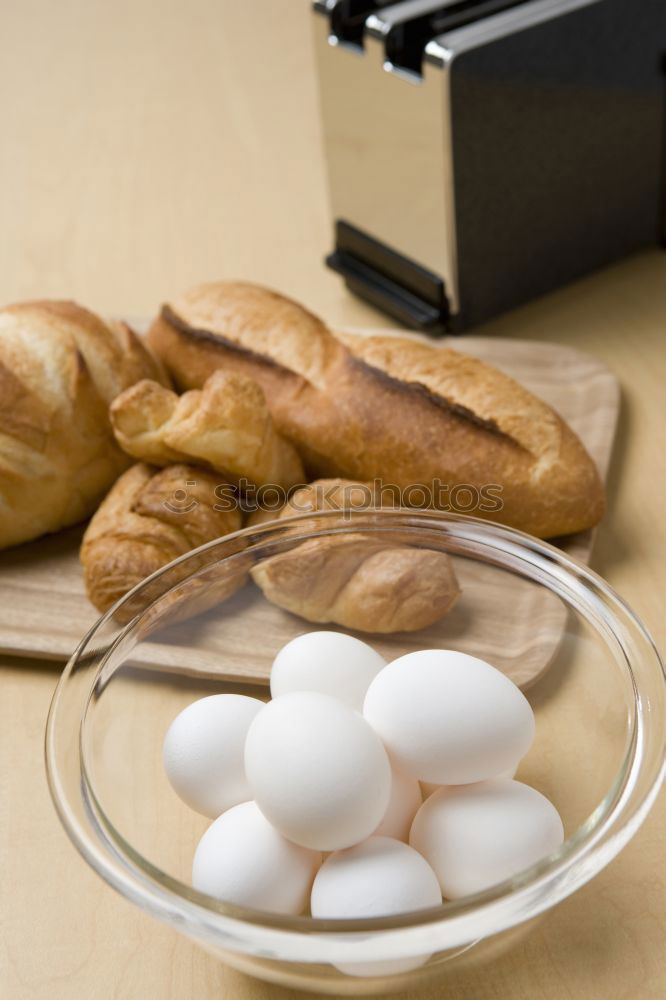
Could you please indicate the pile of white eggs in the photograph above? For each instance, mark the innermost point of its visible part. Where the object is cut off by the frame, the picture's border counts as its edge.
(400, 773)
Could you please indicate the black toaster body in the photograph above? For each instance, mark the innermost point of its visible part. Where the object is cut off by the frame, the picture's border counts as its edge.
(483, 152)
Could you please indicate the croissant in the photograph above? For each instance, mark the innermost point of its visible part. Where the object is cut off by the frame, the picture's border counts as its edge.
(60, 367)
(358, 581)
(150, 517)
(225, 424)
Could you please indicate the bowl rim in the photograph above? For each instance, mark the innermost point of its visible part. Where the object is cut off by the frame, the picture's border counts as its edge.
(590, 848)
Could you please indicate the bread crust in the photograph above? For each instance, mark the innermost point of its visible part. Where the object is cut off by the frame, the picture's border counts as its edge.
(226, 425)
(137, 530)
(60, 367)
(356, 580)
(387, 408)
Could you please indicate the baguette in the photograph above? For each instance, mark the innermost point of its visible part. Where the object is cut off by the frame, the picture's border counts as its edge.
(389, 408)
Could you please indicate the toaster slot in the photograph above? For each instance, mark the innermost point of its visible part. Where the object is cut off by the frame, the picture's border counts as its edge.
(407, 28)
(347, 18)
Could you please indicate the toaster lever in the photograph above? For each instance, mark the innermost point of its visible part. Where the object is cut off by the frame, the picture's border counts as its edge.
(391, 281)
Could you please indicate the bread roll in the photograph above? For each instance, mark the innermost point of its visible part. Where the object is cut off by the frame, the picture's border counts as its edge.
(389, 408)
(150, 517)
(226, 424)
(322, 494)
(60, 367)
(356, 580)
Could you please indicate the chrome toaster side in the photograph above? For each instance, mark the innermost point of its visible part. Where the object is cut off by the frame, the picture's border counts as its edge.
(483, 152)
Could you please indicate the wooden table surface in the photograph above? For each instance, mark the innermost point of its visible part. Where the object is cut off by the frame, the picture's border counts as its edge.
(147, 145)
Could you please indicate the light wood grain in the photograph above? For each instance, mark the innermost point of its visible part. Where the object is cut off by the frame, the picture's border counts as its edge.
(149, 145)
(580, 388)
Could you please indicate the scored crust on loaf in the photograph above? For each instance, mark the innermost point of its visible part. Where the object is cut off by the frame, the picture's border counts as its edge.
(113, 354)
(472, 388)
(60, 366)
(388, 408)
(237, 311)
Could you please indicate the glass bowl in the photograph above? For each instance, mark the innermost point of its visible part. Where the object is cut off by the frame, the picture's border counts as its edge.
(593, 677)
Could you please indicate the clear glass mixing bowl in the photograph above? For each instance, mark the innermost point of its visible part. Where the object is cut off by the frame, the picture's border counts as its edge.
(595, 682)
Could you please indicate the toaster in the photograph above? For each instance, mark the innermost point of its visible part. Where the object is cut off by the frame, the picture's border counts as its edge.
(483, 152)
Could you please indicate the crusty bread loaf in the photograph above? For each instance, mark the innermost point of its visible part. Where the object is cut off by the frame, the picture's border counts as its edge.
(389, 408)
(60, 367)
(150, 517)
(226, 424)
(356, 580)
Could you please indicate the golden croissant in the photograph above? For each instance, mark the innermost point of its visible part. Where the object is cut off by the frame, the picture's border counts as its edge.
(226, 424)
(356, 580)
(150, 517)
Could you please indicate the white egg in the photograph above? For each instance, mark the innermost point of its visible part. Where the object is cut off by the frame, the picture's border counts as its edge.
(427, 788)
(377, 878)
(510, 772)
(329, 662)
(317, 770)
(475, 836)
(203, 752)
(449, 718)
(242, 859)
(404, 803)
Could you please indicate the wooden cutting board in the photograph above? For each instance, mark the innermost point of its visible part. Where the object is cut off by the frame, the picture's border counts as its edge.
(44, 611)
